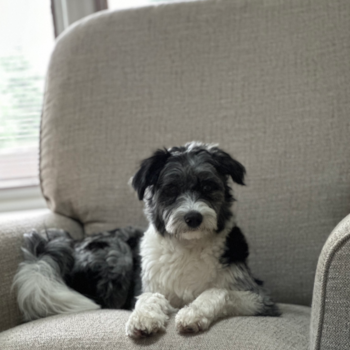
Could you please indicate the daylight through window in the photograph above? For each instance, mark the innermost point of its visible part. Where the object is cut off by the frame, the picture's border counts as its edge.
(26, 41)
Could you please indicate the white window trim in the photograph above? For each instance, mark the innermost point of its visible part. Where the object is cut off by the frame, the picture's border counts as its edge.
(21, 198)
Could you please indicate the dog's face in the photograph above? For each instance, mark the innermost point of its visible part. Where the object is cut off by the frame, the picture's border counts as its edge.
(186, 189)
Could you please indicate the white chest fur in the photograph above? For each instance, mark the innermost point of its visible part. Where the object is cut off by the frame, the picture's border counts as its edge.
(181, 270)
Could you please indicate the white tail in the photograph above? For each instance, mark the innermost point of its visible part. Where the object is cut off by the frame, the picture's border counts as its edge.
(41, 291)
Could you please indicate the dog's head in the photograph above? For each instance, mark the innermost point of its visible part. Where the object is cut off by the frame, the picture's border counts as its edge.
(186, 189)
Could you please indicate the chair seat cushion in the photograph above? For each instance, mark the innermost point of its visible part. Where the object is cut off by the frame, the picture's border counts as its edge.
(104, 329)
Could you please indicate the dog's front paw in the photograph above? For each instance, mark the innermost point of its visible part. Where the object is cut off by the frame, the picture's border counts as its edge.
(190, 320)
(142, 325)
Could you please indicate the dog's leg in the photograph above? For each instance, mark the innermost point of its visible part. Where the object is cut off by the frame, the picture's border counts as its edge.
(150, 315)
(217, 303)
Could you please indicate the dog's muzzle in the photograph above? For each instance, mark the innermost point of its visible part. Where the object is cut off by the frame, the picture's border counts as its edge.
(191, 219)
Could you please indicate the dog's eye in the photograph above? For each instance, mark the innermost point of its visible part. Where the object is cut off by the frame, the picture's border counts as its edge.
(207, 188)
(170, 191)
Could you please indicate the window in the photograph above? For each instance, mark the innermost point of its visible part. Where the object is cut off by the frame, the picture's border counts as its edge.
(27, 35)
(26, 41)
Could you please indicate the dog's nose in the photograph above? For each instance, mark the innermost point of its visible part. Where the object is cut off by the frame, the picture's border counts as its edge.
(193, 219)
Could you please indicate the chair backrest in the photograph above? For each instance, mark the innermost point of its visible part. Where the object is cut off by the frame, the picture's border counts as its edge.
(268, 80)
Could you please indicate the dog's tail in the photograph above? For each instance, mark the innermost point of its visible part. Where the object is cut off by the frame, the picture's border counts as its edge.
(39, 282)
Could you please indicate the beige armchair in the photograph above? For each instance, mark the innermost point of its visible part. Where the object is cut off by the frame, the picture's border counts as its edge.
(269, 81)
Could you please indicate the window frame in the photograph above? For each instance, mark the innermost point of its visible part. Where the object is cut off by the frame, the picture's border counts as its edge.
(66, 12)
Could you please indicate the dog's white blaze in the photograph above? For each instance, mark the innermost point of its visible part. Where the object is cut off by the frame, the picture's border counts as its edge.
(41, 292)
(176, 224)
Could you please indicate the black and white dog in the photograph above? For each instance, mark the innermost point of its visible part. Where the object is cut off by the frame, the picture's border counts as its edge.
(61, 275)
(193, 254)
(193, 257)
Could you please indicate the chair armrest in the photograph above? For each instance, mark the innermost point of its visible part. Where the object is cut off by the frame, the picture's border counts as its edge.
(11, 236)
(331, 295)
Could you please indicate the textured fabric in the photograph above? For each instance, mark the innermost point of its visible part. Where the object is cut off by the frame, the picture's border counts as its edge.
(268, 80)
(331, 300)
(105, 329)
(11, 236)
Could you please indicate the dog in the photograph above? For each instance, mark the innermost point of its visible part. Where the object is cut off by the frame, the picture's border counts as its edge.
(194, 256)
(60, 275)
(192, 259)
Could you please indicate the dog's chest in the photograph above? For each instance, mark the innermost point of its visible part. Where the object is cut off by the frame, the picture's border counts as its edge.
(179, 273)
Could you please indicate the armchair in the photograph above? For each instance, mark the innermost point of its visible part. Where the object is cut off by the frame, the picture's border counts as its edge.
(267, 80)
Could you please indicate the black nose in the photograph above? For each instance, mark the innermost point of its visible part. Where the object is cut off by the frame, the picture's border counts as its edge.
(193, 219)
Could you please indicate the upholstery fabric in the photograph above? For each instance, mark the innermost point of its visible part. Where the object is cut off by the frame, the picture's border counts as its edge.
(268, 80)
(105, 329)
(331, 301)
(11, 237)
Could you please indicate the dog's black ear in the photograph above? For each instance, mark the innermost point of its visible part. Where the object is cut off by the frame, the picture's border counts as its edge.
(226, 165)
(149, 171)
